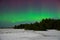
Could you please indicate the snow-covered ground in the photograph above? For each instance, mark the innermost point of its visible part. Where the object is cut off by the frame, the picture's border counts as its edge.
(21, 34)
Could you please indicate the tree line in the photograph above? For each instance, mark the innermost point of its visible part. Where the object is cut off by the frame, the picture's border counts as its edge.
(41, 26)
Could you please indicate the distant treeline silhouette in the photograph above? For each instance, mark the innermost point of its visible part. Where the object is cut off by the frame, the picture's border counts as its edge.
(41, 26)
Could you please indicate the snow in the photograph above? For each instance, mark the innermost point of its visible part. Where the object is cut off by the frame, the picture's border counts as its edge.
(21, 34)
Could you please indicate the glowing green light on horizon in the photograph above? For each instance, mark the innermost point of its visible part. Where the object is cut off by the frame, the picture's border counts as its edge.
(30, 15)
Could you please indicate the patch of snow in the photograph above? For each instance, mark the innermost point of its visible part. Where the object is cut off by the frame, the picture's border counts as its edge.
(21, 34)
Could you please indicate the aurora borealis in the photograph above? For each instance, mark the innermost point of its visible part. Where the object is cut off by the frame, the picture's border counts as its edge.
(26, 11)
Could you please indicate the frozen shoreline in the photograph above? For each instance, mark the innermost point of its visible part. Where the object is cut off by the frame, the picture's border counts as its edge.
(21, 34)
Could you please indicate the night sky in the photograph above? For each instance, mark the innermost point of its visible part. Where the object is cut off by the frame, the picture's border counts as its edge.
(13, 12)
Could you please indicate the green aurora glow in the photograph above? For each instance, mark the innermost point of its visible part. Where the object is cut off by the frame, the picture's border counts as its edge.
(13, 12)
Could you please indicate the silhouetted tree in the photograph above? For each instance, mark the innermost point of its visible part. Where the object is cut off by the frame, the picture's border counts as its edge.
(43, 25)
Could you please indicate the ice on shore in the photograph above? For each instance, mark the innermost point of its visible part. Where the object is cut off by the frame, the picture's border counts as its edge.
(21, 34)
